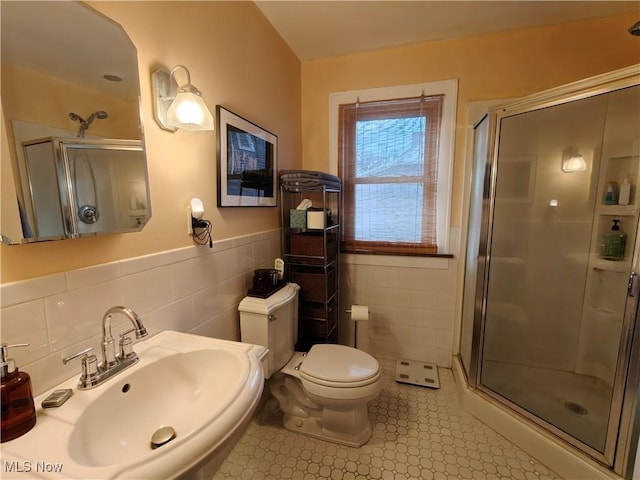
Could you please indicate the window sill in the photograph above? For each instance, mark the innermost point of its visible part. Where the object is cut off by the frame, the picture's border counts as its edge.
(435, 261)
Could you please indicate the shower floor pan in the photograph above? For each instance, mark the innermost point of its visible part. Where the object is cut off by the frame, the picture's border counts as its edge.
(577, 404)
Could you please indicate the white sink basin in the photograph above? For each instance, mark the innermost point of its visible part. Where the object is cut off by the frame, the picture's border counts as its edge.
(205, 389)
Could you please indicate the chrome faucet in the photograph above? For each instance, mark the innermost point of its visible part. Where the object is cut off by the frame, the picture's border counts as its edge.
(109, 358)
(93, 374)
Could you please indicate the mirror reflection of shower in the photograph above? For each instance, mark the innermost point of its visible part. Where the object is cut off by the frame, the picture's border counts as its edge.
(87, 212)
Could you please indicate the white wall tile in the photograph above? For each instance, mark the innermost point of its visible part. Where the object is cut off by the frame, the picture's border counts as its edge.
(148, 262)
(85, 277)
(26, 323)
(412, 305)
(193, 289)
(147, 291)
(261, 255)
(226, 325)
(222, 245)
(174, 316)
(198, 289)
(226, 264)
(207, 303)
(77, 314)
(244, 258)
(32, 289)
(188, 277)
(397, 296)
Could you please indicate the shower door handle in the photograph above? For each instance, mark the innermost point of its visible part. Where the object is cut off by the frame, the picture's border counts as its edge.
(632, 287)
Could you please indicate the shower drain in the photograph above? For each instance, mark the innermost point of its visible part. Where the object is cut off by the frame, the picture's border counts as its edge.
(576, 408)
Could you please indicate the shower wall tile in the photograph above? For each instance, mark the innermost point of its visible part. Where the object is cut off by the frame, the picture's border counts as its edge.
(194, 289)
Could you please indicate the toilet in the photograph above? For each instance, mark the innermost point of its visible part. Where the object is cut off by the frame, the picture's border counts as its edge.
(324, 392)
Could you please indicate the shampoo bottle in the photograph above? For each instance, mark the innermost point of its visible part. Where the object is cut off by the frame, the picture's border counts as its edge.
(18, 410)
(611, 195)
(614, 242)
(624, 196)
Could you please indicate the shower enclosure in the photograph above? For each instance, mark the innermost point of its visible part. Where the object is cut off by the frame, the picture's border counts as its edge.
(550, 295)
(73, 187)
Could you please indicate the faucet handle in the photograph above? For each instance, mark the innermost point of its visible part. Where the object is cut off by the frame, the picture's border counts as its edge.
(73, 356)
(126, 346)
(89, 365)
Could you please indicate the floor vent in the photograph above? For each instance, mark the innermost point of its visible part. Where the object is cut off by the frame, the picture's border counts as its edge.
(417, 373)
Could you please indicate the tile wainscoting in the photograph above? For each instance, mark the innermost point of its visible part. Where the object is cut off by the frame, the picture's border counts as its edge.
(193, 289)
(412, 304)
(197, 290)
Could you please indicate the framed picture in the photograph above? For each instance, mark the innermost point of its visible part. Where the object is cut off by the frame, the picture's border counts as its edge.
(247, 158)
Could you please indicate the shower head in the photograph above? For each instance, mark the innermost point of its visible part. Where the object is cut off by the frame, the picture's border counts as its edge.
(75, 117)
(84, 124)
(635, 29)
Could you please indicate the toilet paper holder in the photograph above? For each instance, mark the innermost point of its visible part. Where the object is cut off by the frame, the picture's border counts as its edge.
(360, 311)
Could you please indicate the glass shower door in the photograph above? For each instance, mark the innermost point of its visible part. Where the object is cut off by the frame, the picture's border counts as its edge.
(555, 300)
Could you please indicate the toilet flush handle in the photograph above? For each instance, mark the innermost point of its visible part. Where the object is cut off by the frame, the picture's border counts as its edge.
(272, 318)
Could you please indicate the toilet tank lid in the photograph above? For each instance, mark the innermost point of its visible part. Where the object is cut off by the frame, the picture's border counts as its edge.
(339, 363)
(266, 306)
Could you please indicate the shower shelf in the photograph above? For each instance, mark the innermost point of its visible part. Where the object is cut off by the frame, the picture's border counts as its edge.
(599, 264)
(620, 210)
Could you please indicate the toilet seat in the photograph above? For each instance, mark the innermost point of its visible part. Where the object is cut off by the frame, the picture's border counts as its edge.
(339, 366)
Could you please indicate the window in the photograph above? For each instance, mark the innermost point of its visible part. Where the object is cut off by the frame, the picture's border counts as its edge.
(393, 154)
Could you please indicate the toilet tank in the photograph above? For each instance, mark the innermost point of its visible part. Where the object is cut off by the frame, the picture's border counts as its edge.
(273, 323)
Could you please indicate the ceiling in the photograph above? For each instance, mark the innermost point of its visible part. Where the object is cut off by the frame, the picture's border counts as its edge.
(69, 41)
(316, 29)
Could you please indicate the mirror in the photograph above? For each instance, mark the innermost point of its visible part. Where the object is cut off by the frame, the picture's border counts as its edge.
(72, 127)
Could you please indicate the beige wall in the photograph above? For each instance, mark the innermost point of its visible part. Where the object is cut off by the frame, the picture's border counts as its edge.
(237, 60)
(504, 65)
(30, 101)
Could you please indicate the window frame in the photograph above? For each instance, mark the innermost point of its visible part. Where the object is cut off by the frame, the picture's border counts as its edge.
(449, 90)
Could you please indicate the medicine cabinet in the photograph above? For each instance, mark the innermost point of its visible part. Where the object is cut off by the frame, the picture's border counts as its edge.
(70, 75)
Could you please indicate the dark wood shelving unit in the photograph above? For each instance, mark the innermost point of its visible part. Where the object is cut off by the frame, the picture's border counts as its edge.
(312, 260)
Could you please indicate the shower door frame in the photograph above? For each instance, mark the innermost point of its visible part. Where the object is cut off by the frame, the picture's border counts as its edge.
(60, 148)
(624, 415)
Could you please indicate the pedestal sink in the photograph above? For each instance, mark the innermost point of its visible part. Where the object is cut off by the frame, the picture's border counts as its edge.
(194, 393)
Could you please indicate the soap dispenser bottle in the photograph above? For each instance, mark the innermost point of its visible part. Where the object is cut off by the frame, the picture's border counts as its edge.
(18, 410)
(614, 242)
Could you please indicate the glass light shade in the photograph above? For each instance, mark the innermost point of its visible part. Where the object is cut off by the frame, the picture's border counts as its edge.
(574, 163)
(189, 112)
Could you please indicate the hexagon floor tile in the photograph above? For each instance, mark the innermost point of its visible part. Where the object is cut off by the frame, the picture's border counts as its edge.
(419, 433)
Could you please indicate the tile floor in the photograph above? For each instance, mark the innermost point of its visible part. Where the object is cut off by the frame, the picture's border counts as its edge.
(419, 433)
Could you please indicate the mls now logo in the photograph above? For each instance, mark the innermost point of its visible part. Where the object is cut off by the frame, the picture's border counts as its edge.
(27, 466)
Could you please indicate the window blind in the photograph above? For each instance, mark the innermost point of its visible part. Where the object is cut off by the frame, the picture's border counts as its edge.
(388, 164)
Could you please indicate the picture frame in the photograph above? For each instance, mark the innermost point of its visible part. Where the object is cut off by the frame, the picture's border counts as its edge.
(247, 162)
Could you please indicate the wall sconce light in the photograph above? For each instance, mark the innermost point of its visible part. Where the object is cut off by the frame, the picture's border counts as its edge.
(179, 106)
(573, 161)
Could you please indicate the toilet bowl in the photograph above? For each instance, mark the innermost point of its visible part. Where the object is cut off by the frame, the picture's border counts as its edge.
(324, 392)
